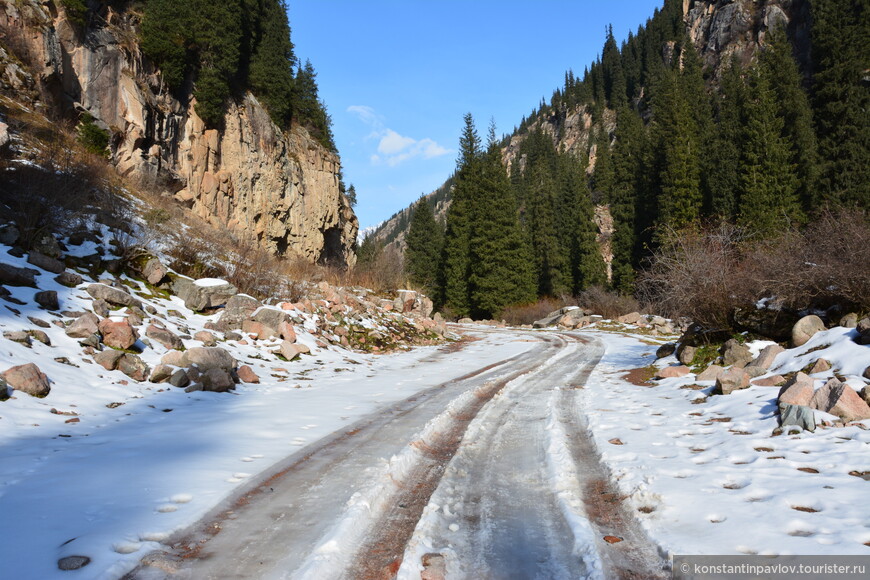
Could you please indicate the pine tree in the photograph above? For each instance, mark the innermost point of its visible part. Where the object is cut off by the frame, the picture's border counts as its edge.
(724, 180)
(768, 179)
(841, 100)
(166, 40)
(424, 242)
(309, 109)
(272, 61)
(501, 270)
(457, 237)
(628, 168)
(614, 76)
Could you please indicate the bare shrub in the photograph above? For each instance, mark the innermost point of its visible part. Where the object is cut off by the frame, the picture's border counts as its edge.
(384, 273)
(607, 303)
(521, 314)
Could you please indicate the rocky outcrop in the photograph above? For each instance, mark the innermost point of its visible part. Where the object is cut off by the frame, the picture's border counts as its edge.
(278, 189)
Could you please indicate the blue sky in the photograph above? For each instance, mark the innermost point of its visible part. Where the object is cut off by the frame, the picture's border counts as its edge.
(398, 76)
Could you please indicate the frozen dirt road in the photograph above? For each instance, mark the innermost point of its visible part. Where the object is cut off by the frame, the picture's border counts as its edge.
(488, 475)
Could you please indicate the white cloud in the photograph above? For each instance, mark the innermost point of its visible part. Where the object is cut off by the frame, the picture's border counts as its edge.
(394, 148)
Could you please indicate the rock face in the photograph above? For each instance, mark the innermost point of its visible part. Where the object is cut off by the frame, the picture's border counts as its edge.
(278, 189)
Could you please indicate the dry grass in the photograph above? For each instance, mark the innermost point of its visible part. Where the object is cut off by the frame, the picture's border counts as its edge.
(520, 314)
(607, 303)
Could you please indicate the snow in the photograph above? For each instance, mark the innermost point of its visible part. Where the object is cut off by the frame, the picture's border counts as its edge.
(712, 478)
(209, 282)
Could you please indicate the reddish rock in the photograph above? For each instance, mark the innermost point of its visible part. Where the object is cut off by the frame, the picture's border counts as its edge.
(672, 372)
(287, 332)
(767, 355)
(206, 338)
(27, 378)
(711, 373)
(732, 380)
(247, 375)
(291, 350)
(165, 337)
(798, 391)
(841, 400)
(174, 358)
(118, 334)
(820, 366)
(772, 381)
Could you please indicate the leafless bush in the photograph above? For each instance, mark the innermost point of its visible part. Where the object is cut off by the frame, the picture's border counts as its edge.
(383, 274)
(518, 315)
(607, 303)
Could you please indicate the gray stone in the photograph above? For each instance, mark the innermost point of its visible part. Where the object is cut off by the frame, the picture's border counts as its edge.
(161, 373)
(849, 320)
(548, 320)
(154, 271)
(179, 379)
(766, 357)
(164, 337)
(39, 322)
(863, 329)
(731, 380)
(40, 336)
(666, 349)
(83, 326)
(109, 358)
(271, 317)
(798, 415)
(18, 336)
(754, 371)
(217, 380)
(47, 245)
(687, 354)
(208, 357)
(773, 323)
(28, 379)
(202, 297)
(45, 262)
(47, 299)
(112, 295)
(9, 234)
(735, 354)
(73, 562)
(133, 366)
(101, 308)
(68, 279)
(805, 328)
(13, 276)
(711, 373)
(238, 309)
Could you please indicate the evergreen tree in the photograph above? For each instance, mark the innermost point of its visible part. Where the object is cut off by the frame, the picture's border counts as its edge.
(769, 181)
(724, 174)
(457, 237)
(614, 77)
(628, 169)
(309, 109)
(272, 62)
(423, 253)
(501, 271)
(603, 178)
(841, 59)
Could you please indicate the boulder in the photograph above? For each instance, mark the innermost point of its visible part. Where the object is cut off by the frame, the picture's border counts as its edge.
(798, 415)
(731, 380)
(28, 379)
(292, 350)
(40, 336)
(711, 373)
(865, 392)
(548, 320)
(805, 328)
(47, 299)
(208, 357)
(133, 366)
(205, 293)
(112, 295)
(673, 372)
(238, 309)
(697, 335)
(258, 330)
(849, 320)
(405, 301)
(47, 245)
(754, 371)
(798, 391)
(68, 279)
(118, 334)
(772, 323)
(161, 373)
(179, 379)
(767, 355)
(206, 338)
(9, 233)
(771, 381)
(19, 336)
(863, 328)
(271, 317)
(45, 262)
(686, 354)
(630, 318)
(820, 366)
(174, 358)
(842, 400)
(108, 358)
(288, 333)
(165, 337)
(154, 271)
(735, 354)
(13, 276)
(666, 349)
(100, 307)
(217, 380)
(247, 375)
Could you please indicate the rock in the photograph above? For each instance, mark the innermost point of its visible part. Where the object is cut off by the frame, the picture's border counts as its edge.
(247, 375)
(45, 262)
(19, 336)
(47, 299)
(731, 380)
(100, 307)
(687, 354)
(271, 317)
(13, 276)
(666, 349)
(118, 334)
(133, 366)
(84, 326)
(39, 322)
(112, 295)
(47, 245)
(40, 336)
(288, 333)
(92, 341)
(108, 358)
(697, 335)
(805, 328)
(798, 415)
(865, 392)
(238, 309)
(174, 358)
(28, 379)
(821, 365)
(165, 337)
(217, 380)
(208, 357)
(863, 329)
(179, 379)
(205, 293)
(849, 320)
(258, 330)
(754, 371)
(735, 354)
(798, 391)
(630, 318)
(405, 300)
(772, 323)
(73, 562)
(767, 355)
(771, 381)
(68, 279)
(866, 374)
(292, 350)
(154, 271)
(672, 372)
(161, 373)
(9, 233)
(206, 338)
(841, 400)
(548, 320)
(711, 373)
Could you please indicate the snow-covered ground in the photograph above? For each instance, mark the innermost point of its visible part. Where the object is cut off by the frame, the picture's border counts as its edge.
(712, 478)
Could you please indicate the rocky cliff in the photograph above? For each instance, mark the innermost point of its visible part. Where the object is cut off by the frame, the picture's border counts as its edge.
(280, 189)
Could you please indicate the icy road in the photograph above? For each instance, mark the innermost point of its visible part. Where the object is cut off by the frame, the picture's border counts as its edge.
(490, 474)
